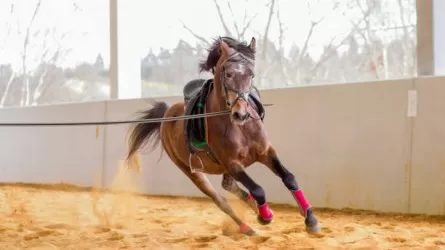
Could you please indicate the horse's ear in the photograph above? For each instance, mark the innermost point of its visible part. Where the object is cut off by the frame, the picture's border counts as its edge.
(252, 44)
(223, 47)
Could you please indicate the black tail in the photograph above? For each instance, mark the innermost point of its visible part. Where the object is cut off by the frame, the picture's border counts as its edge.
(142, 133)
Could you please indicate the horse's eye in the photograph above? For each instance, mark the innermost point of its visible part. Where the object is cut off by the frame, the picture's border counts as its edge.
(229, 75)
(253, 75)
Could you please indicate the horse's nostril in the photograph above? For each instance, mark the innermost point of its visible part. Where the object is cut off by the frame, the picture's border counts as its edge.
(239, 116)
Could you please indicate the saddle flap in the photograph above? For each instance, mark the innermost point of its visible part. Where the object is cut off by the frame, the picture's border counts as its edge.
(195, 129)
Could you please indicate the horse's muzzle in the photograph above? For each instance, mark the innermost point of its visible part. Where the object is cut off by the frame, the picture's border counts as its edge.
(239, 116)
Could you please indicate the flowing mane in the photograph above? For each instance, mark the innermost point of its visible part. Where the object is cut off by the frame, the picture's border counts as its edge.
(214, 53)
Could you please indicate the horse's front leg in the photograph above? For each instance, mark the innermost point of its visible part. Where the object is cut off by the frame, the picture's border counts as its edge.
(236, 170)
(229, 184)
(272, 161)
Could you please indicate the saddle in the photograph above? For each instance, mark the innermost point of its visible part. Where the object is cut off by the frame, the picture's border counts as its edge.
(192, 88)
(196, 93)
(195, 96)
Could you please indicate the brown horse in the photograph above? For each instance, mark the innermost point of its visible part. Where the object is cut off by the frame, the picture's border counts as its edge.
(221, 145)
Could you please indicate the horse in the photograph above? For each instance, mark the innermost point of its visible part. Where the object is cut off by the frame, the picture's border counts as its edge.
(221, 145)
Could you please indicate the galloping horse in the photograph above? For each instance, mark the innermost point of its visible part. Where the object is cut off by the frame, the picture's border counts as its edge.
(221, 145)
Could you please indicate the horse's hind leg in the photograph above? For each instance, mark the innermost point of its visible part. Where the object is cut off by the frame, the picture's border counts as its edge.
(229, 184)
(202, 182)
(272, 161)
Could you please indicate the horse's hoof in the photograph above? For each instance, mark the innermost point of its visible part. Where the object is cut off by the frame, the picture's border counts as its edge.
(314, 229)
(251, 232)
(245, 229)
(311, 222)
(263, 221)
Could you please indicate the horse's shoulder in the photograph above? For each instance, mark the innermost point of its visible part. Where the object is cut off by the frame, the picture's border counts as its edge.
(255, 128)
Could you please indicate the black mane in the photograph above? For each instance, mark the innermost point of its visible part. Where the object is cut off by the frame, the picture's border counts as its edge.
(214, 53)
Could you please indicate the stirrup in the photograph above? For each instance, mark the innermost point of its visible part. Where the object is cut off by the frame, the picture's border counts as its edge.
(192, 169)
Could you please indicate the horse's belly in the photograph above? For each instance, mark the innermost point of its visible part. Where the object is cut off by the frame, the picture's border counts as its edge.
(210, 167)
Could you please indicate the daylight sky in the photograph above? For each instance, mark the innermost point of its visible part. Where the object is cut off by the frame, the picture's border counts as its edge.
(157, 24)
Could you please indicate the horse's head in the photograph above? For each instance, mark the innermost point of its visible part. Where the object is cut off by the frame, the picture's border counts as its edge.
(233, 65)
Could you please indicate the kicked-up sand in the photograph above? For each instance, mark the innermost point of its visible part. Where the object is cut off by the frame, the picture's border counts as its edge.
(66, 217)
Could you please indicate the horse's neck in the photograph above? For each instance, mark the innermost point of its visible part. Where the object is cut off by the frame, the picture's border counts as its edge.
(215, 102)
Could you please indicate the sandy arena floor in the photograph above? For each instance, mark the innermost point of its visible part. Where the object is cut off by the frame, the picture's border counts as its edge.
(62, 217)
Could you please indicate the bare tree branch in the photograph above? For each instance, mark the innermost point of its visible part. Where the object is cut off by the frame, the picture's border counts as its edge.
(221, 18)
(48, 55)
(359, 31)
(281, 29)
(367, 22)
(245, 13)
(235, 25)
(280, 43)
(405, 38)
(8, 27)
(44, 82)
(247, 25)
(266, 31)
(326, 57)
(26, 95)
(200, 38)
(308, 39)
(262, 67)
(27, 34)
(8, 86)
(76, 7)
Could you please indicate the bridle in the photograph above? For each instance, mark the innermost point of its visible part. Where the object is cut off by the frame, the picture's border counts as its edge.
(240, 95)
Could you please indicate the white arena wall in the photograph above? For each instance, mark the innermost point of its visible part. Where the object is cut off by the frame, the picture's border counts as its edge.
(349, 145)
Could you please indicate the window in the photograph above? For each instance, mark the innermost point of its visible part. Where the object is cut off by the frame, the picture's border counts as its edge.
(299, 43)
(53, 51)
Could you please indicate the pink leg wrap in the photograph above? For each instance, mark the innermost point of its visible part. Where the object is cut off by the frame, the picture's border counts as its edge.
(265, 211)
(250, 197)
(244, 228)
(303, 203)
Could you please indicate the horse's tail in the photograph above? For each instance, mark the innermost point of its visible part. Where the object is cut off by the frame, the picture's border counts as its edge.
(142, 133)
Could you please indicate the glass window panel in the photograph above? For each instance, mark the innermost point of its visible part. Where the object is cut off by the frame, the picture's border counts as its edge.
(300, 43)
(53, 51)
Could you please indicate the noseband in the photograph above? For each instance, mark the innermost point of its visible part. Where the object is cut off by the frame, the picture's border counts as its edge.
(240, 95)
